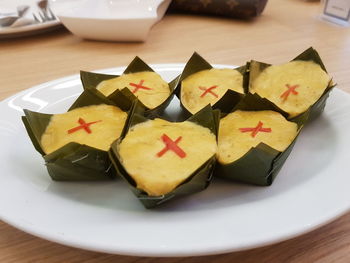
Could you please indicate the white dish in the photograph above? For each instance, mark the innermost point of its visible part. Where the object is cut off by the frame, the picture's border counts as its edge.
(311, 189)
(26, 30)
(114, 20)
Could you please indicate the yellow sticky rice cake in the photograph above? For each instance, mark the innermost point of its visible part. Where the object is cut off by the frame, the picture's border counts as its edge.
(208, 86)
(147, 86)
(96, 126)
(241, 130)
(160, 155)
(293, 86)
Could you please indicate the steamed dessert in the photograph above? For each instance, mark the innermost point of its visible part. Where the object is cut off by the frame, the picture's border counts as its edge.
(96, 126)
(293, 87)
(160, 155)
(241, 130)
(209, 86)
(147, 86)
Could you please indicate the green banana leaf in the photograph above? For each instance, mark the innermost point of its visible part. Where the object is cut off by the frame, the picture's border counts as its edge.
(90, 80)
(73, 162)
(196, 182)
(254, 101)
(197, 63)
(260, 165)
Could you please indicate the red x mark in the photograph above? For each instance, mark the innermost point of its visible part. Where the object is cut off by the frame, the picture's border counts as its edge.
(171, 145)
(209, 90)
(291, 89)
(255, 130)
(138, 86)
(83, 125)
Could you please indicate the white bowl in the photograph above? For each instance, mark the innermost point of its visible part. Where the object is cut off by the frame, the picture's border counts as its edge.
(110, 20)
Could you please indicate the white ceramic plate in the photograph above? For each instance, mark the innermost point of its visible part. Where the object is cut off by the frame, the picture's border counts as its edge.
(311, 189)
(27, 30)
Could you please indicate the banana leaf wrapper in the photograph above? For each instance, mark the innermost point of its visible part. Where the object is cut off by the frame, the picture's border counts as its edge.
(198, 181)
(227, 102)
(254, 101)
(259, 166)
(74, 161)
(90, 80)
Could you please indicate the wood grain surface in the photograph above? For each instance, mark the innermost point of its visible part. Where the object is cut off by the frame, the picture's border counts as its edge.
(286, 28)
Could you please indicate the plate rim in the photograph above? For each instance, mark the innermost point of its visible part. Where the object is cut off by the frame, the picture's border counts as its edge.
(30, 30)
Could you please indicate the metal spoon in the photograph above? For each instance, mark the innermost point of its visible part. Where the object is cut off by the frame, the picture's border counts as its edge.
(9, 20)
(22, 10)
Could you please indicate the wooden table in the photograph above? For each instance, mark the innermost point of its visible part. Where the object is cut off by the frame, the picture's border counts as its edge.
(286, 28)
